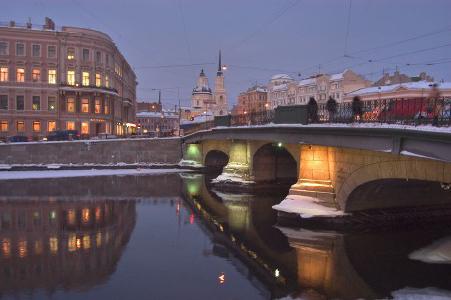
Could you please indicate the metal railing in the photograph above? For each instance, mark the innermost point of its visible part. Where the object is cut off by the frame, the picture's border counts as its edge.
(256, 118)
(414, 112)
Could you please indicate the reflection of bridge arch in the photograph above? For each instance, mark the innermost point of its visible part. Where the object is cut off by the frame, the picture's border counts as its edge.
(216, 159)
(273, 162)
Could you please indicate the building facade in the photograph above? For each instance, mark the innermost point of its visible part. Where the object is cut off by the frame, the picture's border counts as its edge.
(203, 99)
(163, 123)
(398, 77)
(66, 78)
(284, 90)
(254, 100)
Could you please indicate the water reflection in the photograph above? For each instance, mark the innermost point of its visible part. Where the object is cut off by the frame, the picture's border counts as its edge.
(83, 238)
(51, 244)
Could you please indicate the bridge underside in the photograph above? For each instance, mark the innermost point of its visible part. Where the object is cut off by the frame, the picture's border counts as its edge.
(341, 180)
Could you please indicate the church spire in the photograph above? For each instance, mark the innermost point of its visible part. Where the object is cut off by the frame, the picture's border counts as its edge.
(219, 73)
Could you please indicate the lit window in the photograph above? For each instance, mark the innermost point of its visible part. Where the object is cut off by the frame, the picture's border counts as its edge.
(36, 74)
(3, 74)
(38, 247)
(36, 105)
(52, 76)
(86, 242)
(70, 104)
(97, 106)
(107, 107)
(53, 244)
(20, 125)
(72, 242)
(51, 51)
(85, 54)
(6, 247)
(85, 78)
(71, 77)
(20, 75)
(70, 125)
(36, 126)
(36, 50)
(107, 81)
(85, 130)
(51, 126)
(84, 105)
(4, 49)
(3, 101)
(3, 126)
(70, 53)
(20, 49)
(20, 102)
(51, 103)
(22, 248)
(98, 80)
(98, 239)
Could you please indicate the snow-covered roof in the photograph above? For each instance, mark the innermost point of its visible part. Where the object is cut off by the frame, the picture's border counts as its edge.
(419, 85)
(281, 76)
(306, 81)
(209, 116)
(338, 76)
(280, 87)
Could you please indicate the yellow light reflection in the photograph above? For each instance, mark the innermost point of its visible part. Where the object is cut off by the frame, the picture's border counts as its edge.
(53, 245)
(38, 247)
(85, 215)
(71, 242)
(99, 239)
(71, 217)
(6, 247)
(86, 242)
(22, 248)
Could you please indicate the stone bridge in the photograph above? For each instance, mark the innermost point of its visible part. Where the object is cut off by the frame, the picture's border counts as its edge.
(349, 169)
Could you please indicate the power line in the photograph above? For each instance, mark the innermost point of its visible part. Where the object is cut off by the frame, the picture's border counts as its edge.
(185, 32)
(347, 28)
(175, 66)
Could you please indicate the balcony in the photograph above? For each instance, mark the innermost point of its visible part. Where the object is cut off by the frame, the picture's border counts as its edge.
(88, 88)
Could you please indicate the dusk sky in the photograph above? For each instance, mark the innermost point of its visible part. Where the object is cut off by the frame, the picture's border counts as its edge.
(258, 38)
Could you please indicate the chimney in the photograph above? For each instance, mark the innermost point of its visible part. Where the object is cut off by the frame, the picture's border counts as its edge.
(12, 24)
(29, 25)
(49, 24)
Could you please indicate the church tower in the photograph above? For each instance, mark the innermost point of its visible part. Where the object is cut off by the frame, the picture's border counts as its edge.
(201, 98)
(220, 95)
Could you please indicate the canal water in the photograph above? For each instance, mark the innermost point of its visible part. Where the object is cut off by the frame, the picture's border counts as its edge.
(175, 236)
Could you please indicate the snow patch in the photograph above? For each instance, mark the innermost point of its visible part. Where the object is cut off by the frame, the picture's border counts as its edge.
(231, 178)
(429, 293)
(9, 175)
(190, 163)
(439, 252)
(307, 207)
(408, 153)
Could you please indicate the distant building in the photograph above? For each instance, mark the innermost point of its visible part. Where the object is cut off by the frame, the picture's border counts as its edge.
(63, 78)
(203, 99)
(163, 123)
(408, 90)
(397, 77)
(149, 106)
(254, 100)
(284, 90)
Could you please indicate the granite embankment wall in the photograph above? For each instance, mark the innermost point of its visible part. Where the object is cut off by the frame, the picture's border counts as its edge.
(102, 152)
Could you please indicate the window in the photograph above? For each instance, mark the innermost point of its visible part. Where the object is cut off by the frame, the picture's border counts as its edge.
(98, 57)
(36, 126)
(107, 107)
(20, 126)
(51, 51)
(84, 127)
(84, 105)
(20, 49)
(85, 78)
(3, 126)
(3, 74)
(20, 102)
(70, 104)
(107, 59)
(51, 103)
(36, 74)
(98, 80)
(70, 53)
(70, 125)
(71, 77)
(97, 107)
(107, 81)
(36, 50)
(51, 126)
(52, 76)
(3, 101)
(36, 105)
(85, 54)
(20, 75)
(4, 49)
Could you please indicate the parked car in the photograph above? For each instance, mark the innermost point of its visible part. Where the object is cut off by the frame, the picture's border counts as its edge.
(17, 139)
(63, 135)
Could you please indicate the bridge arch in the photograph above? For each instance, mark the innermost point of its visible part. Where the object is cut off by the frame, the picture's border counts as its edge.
(273, 162)
(396, 169)
(216, 159)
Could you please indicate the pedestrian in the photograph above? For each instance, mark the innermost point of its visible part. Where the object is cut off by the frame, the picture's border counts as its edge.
(331, 107)
(312, 110)
(357, 108)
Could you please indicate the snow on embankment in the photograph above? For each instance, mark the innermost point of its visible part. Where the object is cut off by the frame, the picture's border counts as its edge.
(439, 252)
(306, 207)
(429, 293)
(8, 175)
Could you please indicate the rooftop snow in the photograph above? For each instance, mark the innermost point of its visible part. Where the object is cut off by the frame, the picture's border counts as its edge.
(419, 85)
